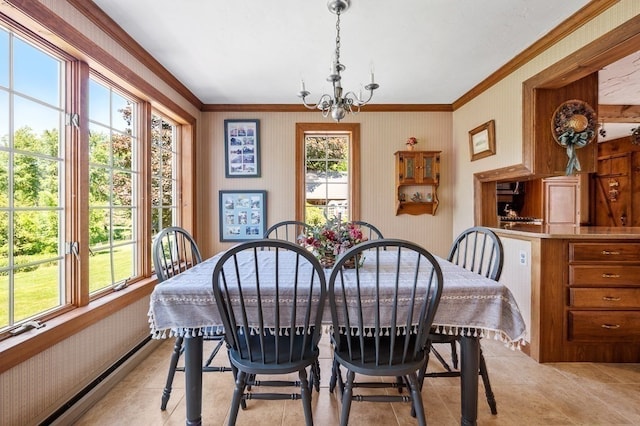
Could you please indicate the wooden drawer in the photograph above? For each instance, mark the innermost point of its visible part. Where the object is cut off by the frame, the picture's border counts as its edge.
(608, 298)
(604, 252)
(604, 326)
(604, 275)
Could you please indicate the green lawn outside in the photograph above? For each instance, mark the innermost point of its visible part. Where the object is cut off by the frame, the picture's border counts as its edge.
(37, 290)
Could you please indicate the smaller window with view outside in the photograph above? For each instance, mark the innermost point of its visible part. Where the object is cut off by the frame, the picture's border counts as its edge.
(326, 177)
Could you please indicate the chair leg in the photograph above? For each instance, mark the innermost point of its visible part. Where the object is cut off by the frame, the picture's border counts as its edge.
(213, 354)
(440, 358)
(237, 397)
(423, 370)
(454, 355)
(305, 395)
(416, 399)
(399, 383)
(314, 376)
(234, 371)
(346, 398)
(334, 375)
(175, 356)
(491, 400)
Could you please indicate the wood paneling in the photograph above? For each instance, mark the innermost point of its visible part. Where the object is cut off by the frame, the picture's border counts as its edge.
(547, 157)
(619, 113)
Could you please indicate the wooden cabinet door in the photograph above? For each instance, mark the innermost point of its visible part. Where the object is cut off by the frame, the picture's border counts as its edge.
(429, 168)
(407, 172)
(613, 191)
(562, 200)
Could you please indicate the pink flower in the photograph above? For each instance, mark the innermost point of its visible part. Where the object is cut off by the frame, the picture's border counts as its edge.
(333, 238)
(412, 141)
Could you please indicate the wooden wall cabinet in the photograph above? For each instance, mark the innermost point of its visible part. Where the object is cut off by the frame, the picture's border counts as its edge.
(417, 172)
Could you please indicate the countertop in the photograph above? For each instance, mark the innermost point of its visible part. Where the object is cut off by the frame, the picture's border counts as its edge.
(568, 231)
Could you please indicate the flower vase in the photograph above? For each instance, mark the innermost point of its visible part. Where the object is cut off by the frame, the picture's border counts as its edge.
(327, 261)
(351, 263)
(409, 147)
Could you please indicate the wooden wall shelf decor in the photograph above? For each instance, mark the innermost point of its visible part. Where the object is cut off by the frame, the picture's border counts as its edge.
(417, 180)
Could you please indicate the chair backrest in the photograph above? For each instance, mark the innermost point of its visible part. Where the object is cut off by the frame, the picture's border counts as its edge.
(391, 296)
(270, 294)
(478, 249)
(174, 250)
(288, 230)
(368, 230)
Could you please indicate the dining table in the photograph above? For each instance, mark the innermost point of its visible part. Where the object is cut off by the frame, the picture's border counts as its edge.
(471, 306)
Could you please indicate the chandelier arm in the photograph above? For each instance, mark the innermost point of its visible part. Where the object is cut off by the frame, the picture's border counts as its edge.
(308, 106)
(366, 101)
(324, 102)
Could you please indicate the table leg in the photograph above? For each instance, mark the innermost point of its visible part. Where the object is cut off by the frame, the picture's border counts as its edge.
(469, 368)
(193, 379)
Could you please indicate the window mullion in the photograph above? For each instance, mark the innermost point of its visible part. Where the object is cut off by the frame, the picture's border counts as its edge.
(77, 184)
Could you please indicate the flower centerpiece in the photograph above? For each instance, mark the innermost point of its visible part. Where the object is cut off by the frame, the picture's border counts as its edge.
(411, 142)
(329, 240)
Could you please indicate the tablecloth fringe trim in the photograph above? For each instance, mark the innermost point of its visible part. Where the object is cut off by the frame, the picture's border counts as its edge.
(515, 344)
(454, 330)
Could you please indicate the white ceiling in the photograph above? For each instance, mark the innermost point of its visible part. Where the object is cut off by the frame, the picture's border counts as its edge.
(257, 51)
(422, 51)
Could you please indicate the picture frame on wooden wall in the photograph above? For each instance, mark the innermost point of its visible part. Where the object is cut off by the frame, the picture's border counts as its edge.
(242, 215)
(482, 140)
(242, 148)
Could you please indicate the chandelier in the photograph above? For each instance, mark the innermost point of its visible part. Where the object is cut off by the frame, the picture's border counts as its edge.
(338, 105)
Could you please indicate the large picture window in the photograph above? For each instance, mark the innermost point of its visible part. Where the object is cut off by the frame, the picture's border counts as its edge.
(32, 207)
(78, 157)
(113, 183)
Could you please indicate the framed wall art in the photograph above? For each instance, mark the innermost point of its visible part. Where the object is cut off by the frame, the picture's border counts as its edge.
(242, 148)
(242, 215)
(482, 140)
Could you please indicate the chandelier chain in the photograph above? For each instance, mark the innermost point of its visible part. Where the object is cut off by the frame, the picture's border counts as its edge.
(338, 36)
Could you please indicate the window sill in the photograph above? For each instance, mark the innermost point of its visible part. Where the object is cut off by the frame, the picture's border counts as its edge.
(16, 349)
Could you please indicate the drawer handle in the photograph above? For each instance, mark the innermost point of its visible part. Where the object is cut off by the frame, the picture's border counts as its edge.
(609, 253)
(610, 275)
(610, 326)
(610, 298)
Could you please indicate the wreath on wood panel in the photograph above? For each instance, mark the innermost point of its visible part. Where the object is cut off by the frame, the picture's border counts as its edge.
(574, 126)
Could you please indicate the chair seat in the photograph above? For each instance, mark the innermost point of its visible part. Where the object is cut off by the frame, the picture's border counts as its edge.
(271, 360)
(388, 363)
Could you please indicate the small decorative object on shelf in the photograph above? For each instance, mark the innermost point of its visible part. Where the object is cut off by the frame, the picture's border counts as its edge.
(411, 143)
(429, 197)
(329, 240)
(417, 197)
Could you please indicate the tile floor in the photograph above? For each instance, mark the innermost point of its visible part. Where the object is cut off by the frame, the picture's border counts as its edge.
(527, 393)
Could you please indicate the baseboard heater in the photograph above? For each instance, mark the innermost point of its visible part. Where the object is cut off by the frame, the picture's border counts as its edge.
(73, 409)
